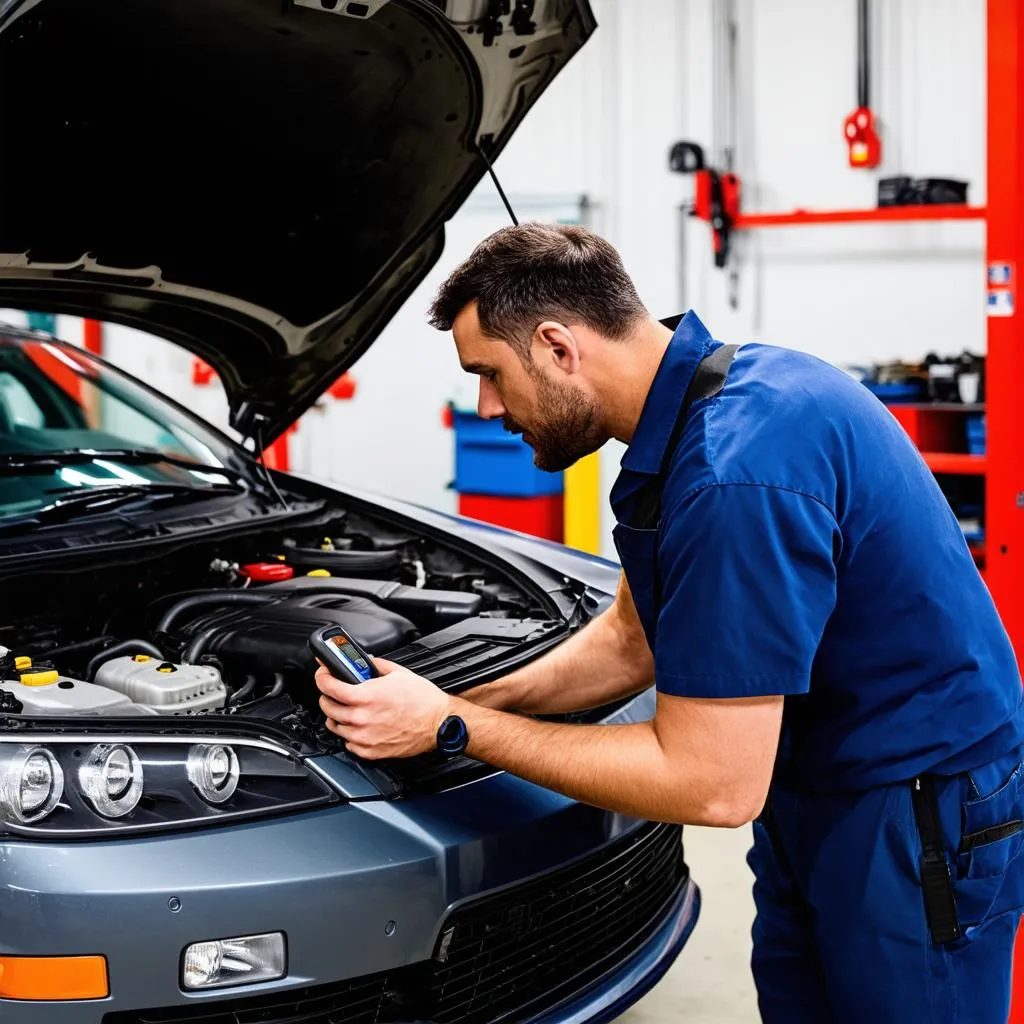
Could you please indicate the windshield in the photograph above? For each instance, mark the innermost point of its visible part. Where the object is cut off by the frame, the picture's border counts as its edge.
(57, 399)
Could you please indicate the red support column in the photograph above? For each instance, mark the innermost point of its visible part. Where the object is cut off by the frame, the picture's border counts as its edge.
(1004, 493)
(1004, 407)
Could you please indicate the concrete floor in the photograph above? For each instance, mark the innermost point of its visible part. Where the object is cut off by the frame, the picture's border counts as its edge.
(710, 983)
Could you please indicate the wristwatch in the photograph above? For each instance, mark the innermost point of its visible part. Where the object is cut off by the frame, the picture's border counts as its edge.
(452, 736)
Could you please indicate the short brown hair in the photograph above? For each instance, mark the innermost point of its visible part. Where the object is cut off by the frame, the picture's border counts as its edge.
(522, 275)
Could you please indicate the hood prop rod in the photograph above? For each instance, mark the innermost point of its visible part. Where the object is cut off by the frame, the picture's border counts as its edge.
(259, 448)
(497, 184)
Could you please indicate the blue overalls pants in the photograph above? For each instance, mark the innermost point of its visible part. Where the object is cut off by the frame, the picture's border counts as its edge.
(841, 935)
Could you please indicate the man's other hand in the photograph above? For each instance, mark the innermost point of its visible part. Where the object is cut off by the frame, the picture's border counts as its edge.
(395, 715)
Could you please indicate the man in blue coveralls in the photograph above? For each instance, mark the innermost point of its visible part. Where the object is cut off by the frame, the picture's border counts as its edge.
(828, 662)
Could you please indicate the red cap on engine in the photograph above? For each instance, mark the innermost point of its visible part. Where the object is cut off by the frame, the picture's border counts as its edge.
(267, 572)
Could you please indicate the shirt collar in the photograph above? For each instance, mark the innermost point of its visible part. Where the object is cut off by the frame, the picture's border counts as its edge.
(690, 343)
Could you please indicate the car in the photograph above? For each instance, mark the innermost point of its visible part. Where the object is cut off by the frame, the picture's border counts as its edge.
(181, 839)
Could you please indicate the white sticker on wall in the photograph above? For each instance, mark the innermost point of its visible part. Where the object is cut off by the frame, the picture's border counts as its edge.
(1000, 302)
(1000, 275)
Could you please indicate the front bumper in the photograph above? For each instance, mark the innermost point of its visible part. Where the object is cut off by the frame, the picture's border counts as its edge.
(358, 889)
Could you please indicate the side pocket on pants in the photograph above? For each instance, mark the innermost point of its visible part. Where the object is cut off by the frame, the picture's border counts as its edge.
(989, 877)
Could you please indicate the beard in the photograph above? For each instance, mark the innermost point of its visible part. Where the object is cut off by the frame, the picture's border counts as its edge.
(567, 427)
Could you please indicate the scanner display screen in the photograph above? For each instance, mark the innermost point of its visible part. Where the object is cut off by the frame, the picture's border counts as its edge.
(350, 654)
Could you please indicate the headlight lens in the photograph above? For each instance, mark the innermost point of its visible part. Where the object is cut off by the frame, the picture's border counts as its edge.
(82, 783)
(213, 770)
(31, 784)
(111, 779)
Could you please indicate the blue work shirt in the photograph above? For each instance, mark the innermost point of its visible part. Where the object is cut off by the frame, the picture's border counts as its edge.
(804, 548)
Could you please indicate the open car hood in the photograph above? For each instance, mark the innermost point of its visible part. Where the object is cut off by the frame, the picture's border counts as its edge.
(261, 181)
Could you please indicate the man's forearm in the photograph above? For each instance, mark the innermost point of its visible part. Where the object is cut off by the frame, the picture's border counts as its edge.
(605, 661)
(620, 768)
(698, 761)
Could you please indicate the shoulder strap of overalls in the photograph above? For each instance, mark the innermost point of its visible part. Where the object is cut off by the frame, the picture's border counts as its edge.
(708, 380)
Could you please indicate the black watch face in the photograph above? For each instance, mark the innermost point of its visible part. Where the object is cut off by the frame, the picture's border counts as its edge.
(452, 735)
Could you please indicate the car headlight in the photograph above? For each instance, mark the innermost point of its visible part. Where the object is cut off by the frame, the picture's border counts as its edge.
(95, 785)
(213, 770)
(31, 783)
(111, 779)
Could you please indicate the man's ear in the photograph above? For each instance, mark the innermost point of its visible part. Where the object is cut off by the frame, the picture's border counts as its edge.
(555, 343)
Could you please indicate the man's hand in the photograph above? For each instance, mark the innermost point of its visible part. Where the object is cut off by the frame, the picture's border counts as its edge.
(395, 715)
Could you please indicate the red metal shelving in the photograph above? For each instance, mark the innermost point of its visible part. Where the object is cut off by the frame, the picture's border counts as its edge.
(956, 462)
(882, 215)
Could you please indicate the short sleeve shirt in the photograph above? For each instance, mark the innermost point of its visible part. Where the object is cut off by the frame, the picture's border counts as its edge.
(805, 549)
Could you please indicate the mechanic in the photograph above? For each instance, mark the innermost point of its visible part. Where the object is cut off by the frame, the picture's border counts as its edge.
(828, 661)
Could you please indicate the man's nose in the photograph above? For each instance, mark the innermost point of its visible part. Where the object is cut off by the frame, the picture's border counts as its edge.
(489, 405)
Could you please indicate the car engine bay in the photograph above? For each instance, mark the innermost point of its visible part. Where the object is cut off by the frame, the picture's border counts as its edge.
(221, 627)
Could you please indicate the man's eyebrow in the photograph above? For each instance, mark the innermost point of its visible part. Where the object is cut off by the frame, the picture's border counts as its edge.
(477, 368)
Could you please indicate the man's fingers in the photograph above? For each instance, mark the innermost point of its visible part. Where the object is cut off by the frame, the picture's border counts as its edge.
(345, 693)
(353, 746)
(385, 667)
(343, 713)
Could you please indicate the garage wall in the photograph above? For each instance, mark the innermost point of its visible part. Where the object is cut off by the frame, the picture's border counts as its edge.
(855, 293)
(851, 294)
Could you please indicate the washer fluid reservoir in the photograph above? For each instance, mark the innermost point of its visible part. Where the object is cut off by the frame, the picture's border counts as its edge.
(43, 691)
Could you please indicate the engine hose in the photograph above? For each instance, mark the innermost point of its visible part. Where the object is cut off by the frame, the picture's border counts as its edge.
(198, 644)
(239, 695)
(278, 688)
(55, 654)
(195, 601)
(124, 647)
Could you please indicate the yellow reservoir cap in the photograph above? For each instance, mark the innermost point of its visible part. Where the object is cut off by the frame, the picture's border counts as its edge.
(44, 678)
(318, 572)
(22, 663)
(142, 657)
(46, 978)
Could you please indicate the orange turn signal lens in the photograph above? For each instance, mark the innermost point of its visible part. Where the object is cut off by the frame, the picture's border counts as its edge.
(53, 977)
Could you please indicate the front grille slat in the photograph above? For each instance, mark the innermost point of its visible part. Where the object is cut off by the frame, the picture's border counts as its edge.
(512, 954)
(558, 933)
(592, 939)
(525, 963)
(603, 899)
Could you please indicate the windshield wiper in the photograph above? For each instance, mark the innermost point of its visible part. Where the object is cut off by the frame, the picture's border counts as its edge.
(107, 498)
(43, 461)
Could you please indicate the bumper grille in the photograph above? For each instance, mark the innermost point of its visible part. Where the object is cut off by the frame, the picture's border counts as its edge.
(350, 1002)
(526, 949)
(506, 956)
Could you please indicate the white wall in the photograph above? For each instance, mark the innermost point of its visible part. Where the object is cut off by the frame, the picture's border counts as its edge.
(850, 294)
(855, 293)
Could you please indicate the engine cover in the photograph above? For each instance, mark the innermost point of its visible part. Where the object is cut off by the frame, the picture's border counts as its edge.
(273, 637)
(166, 688)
